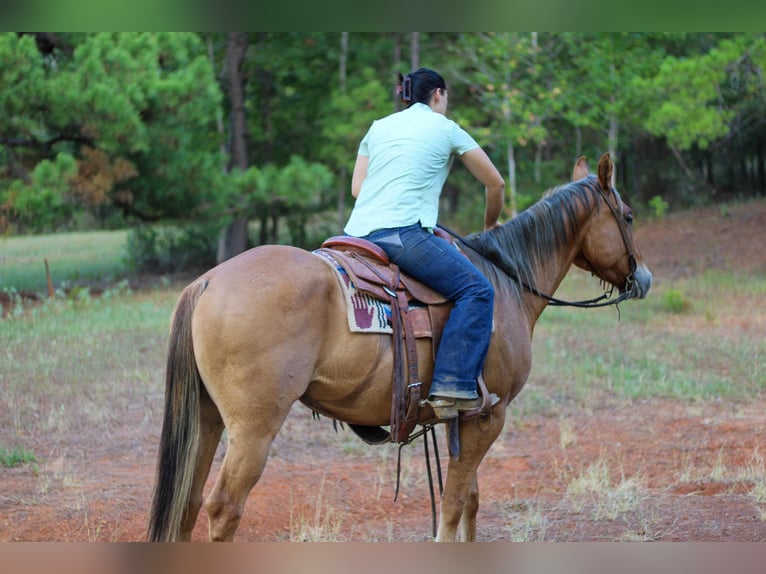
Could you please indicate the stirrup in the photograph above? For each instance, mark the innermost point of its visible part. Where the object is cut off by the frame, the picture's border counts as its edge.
(446, 408)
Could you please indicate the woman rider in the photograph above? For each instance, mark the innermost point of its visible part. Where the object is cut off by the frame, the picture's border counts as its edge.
(401, 166)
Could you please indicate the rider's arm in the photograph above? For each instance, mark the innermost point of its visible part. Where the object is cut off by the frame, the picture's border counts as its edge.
(360, 172)
(478, 163)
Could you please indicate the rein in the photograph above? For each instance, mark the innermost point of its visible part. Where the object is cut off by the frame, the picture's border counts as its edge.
(604, 300)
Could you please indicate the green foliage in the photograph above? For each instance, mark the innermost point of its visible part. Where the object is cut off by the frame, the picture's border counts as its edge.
(110, 127)
(164, 249)
(659, 206)
(45, 203)
(146, 101)
(16, 457)
(348, 115)
(674, 301)
(690, 92)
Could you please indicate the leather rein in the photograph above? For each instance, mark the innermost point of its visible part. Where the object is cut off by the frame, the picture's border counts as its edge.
(603, 300)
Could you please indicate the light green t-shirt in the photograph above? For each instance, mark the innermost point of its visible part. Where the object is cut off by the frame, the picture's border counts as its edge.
(410, 155)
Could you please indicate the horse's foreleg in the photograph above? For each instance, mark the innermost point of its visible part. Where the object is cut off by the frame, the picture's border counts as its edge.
(460, 500)
(460, 476)
(467, 528)
(211, 428)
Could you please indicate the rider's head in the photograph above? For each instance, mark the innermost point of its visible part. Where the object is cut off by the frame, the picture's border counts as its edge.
(424, 86)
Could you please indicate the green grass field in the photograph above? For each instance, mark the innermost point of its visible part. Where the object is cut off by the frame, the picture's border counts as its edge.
(72, 257)
(699, 349)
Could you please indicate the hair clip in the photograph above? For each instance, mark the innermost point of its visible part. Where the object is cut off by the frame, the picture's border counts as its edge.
(406, 88)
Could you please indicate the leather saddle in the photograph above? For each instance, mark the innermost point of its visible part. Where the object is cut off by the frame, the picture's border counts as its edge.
(371, 272)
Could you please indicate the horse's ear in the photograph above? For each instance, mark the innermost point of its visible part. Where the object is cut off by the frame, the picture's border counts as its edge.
(580, 169)
(605, 168)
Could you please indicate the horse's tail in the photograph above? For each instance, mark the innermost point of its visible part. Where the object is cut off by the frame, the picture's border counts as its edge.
(179, 440)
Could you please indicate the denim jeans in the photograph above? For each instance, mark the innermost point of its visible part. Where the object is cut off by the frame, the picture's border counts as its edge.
(465, 340)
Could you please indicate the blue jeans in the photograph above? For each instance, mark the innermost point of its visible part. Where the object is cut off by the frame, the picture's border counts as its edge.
(465, 340)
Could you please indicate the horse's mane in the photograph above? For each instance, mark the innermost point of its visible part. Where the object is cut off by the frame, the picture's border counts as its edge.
(512, 253)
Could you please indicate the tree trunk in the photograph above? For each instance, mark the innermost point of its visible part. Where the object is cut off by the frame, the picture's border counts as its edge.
(233, 240)
(538, 164)
(511, 160)
(396, 67)
(538, 119)
(761, 169)
(613, 125)
(578, 141)
(511, 178)
(343, 175)
(219, 113)
(415, 50)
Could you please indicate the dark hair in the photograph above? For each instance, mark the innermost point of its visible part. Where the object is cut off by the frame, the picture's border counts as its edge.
(419, 86)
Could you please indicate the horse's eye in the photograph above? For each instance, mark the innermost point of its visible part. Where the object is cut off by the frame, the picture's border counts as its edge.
(629, 217)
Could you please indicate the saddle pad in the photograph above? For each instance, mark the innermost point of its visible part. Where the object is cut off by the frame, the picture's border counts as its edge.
(366, 314)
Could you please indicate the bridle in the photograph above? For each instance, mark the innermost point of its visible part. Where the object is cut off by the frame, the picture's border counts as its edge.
(605, 299)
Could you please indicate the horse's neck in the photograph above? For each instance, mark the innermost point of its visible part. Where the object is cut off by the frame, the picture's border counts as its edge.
(550, 274)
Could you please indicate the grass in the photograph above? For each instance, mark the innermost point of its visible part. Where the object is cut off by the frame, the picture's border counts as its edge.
(73, 258)
(70, 363)
(527, 522)
(15, 457)
(322, 524)
(708, 346)
(595, 489)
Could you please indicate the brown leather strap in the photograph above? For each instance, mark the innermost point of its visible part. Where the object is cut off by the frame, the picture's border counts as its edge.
(397, 391)
(392, 283)
(411, 396)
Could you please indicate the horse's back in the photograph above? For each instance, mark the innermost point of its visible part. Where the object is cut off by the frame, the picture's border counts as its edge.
(266, 273)
(264, 310)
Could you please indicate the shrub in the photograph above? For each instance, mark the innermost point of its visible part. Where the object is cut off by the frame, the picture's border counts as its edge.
(159, 249)
(15, 457)
(675, 302)
(659, 206)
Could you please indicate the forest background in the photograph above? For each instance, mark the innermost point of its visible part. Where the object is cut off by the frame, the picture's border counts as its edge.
(206, 144)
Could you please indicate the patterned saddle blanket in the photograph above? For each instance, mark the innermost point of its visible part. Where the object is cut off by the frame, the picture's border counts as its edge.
(369, 279)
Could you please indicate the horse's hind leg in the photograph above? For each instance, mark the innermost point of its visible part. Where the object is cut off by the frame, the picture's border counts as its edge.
(246, 454)
(211, 428)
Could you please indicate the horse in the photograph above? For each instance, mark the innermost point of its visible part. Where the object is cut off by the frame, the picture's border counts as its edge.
(268, 328)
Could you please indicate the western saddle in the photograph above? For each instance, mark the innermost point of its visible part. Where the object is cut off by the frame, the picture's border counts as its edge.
(371, 272)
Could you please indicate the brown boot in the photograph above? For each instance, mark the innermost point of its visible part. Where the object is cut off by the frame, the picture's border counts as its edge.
(446, 408)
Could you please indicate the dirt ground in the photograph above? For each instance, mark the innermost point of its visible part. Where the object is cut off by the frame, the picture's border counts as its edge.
(327, 485)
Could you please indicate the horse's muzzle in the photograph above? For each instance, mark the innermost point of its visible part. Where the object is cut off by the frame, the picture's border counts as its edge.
(642, 282)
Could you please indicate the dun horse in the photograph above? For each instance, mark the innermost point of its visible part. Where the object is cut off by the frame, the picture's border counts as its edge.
(268, 328)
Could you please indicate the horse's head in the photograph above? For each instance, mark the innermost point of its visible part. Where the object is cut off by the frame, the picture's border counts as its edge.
(608, 248)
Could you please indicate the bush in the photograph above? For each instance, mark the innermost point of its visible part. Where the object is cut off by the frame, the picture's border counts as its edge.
(659, 206)
(165, 249)
(675, 302)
